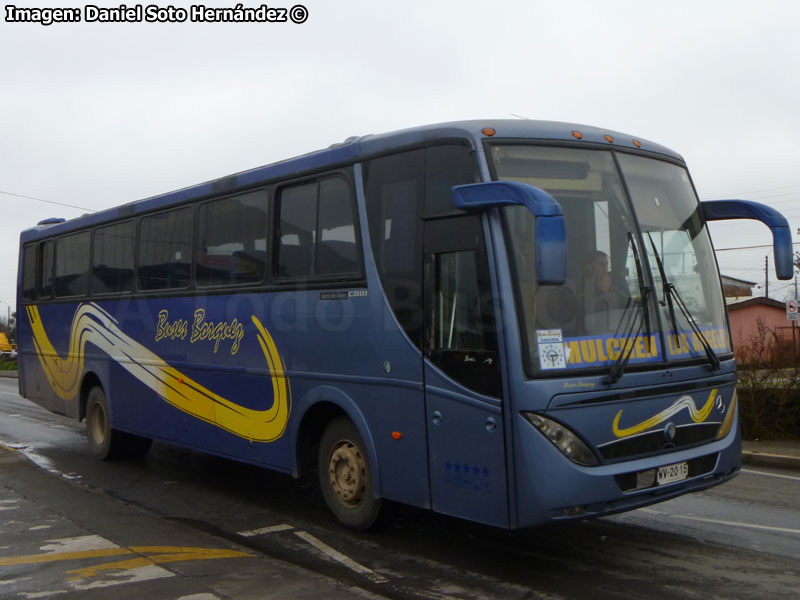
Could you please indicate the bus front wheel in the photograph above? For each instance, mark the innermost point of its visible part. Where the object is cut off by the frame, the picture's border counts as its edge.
(105, 442)
(344, 476)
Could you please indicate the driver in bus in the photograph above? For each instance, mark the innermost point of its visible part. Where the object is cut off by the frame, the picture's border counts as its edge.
(603, 297)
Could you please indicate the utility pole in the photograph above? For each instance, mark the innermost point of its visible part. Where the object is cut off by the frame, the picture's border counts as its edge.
(766, 275)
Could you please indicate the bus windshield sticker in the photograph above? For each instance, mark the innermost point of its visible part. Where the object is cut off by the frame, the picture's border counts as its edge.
(551, 349)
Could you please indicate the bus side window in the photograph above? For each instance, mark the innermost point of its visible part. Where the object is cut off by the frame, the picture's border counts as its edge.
(29, 272)
(395, 186)
(447, 166)
(112, 263)
(232, 244)
(337, 251)
(72, 265)
(297, 209)
(165, 250)
(317, 230)
(46, 270)
(464, 343)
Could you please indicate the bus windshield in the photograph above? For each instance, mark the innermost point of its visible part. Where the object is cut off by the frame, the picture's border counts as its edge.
(641, 274)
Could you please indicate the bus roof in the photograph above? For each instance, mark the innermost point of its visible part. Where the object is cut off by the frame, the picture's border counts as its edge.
(353, 150)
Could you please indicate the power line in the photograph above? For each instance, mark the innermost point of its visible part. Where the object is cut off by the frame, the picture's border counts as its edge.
(786, 187)
(46, 201)
(749, 247)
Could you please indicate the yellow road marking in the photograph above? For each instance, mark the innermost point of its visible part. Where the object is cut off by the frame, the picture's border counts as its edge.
(152, 555)
(31, 559)
(166, 554)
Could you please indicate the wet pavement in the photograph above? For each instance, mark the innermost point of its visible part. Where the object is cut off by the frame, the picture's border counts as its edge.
(62, 539)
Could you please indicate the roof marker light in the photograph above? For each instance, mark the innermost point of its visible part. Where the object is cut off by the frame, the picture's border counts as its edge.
(490, 131)
(609, 139)
(396, 435)
(637, 143)
(577, 135)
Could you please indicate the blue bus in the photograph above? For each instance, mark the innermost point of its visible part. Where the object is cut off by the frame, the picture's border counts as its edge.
(513, 322)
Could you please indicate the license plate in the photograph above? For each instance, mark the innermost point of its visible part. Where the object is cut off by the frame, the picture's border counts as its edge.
(671, 473)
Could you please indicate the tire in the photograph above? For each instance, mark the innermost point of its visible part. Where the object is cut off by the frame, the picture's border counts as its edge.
(105, 442)
(344, 476)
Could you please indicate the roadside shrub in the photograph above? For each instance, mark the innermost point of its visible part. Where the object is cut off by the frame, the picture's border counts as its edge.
(769, 387)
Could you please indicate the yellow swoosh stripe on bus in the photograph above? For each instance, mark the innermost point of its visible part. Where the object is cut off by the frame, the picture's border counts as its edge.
(684, 402)
(93, 324)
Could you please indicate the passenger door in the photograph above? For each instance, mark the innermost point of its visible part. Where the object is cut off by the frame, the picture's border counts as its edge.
(466, 449)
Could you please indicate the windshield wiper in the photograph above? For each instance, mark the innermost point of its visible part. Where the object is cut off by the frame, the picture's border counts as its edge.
(713, 359)
(670, 293)
(626, 348)
(642, 288)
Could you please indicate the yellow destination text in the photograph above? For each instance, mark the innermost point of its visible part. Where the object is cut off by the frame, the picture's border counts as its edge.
(605, 349)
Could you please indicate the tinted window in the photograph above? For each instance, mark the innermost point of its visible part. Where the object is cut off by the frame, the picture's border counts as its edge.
(46, 270)
(232, 244)
(317, 230)
(298, 215)
(112, 268)
(337, 251)
(447, 166)
(460, 334)
(395, 188)
(165, 250)
(72, 264)
(29, 272)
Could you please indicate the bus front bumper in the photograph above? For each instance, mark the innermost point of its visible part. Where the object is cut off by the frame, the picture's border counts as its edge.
(551, 488)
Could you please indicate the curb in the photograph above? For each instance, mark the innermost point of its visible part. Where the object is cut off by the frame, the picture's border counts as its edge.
(766, 459)
(9, 374)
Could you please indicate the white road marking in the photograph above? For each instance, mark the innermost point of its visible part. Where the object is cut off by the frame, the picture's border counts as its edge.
(135, 575)
(77, 544)
(771, 474)
(735, 524)
(263, 530)
(10, 581)
(341, 558)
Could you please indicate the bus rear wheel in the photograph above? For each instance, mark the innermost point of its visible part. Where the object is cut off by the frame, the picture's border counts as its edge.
(105, 442)
(344, 476)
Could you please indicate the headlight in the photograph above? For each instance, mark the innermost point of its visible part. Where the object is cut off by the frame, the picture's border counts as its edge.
(570, 444)
(727, 422)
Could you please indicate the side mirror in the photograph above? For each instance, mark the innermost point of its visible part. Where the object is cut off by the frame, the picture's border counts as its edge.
(722, 210)
(550, 241)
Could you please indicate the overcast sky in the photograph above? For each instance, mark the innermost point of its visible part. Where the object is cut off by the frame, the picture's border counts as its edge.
(96, 115)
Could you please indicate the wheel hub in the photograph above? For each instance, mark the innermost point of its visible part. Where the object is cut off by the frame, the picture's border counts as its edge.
(97, 424)
(347, 470)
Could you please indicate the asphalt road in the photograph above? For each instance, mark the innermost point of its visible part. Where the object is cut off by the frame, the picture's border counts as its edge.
(739, 540)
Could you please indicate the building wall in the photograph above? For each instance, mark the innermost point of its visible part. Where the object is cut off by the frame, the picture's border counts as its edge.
(744, 324)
